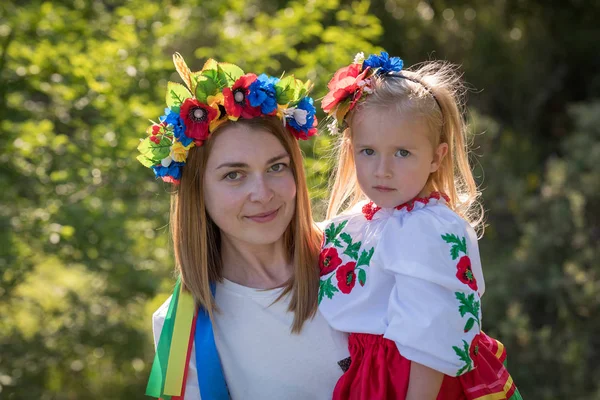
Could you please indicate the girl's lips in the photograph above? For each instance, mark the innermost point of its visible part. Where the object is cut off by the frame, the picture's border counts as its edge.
(383, 188)
(264, 217)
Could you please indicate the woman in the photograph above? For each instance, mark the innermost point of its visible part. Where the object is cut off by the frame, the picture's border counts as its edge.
(242, 227)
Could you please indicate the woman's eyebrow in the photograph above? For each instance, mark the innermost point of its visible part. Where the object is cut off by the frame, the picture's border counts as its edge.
(244, 165)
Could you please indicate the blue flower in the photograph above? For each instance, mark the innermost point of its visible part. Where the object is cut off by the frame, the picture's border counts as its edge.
(173, 170)
(173, 118)
(384, 63)
(262, 93)
(305, 104)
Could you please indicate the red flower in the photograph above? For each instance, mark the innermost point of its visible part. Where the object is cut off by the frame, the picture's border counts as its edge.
(474, 349)
(346, 277)
(197, 117)
(329, 260)
(465, 274)
(343, 84)
(301, 135)
(236, 99)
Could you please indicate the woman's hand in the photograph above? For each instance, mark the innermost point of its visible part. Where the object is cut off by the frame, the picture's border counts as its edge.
(424, 383)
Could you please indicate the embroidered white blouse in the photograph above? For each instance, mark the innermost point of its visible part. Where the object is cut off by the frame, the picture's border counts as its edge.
(411, 273)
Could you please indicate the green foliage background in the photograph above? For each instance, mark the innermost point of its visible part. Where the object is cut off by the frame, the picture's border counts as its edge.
(84, 250)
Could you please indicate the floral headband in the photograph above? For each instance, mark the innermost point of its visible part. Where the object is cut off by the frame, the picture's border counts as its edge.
(218, 93)
(353, 83)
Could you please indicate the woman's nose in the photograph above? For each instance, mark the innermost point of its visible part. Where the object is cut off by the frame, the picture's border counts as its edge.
(261, 191)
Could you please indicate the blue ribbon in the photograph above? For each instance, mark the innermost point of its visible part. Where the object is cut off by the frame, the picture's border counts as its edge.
(208, 364)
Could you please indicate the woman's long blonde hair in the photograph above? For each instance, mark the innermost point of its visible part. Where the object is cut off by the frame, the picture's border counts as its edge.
(197, 240)
(446, 124)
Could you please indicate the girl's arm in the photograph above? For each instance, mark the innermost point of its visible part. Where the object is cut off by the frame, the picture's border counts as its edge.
(424, 382)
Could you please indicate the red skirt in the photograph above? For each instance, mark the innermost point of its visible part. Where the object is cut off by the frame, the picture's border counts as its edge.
(378, 371)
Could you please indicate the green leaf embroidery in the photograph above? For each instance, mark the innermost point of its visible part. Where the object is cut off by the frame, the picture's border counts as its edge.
(346, 238)
(362, 277)
(463, 354)
(469, 324)
(352, 250)
(332, 232)
(468, 305)
(326, 288)
(365, 257)
(458, 245)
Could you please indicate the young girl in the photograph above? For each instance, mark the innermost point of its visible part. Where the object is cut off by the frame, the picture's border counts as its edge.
(401, 272)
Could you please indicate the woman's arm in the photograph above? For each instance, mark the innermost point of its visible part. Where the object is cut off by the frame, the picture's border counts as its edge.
(424, 382)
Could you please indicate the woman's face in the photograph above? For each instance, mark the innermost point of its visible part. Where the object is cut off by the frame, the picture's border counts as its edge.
(249, 188)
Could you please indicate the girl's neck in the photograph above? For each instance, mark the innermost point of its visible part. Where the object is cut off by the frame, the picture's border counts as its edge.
(255, 266)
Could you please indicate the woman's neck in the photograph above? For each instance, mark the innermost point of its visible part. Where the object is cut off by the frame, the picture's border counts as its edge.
(255, 266)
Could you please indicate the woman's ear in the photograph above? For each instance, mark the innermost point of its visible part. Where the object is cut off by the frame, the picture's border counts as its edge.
(438, 157)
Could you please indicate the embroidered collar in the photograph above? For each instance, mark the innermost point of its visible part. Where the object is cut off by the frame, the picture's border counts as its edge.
(370, 209)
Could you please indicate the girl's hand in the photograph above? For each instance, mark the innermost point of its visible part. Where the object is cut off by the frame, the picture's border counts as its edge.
(424, 382)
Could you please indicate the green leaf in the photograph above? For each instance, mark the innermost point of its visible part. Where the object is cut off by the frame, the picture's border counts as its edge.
(219, 79)
(464, 245)
(454, 251)
(229, 73)
(365, 257)
(469, 324)
(326, 288)
(146, 162)
(332, 232)
(362, 277)
(205, 86)
(286, 90)
(352, 250)
(154, 152)
(346, 238)
(176, 94)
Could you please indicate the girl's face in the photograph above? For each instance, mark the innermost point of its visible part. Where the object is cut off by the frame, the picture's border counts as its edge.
(393, 155)
(249, 188)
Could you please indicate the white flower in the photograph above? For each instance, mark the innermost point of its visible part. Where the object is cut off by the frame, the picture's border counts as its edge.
(332, 127)
(166, 161)
(296, 113)
(359, 58)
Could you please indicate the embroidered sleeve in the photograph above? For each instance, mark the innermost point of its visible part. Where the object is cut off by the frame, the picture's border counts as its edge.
(434, 311)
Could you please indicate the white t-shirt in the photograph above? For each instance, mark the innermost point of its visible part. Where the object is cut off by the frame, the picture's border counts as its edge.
(261, 358)
(410, 273)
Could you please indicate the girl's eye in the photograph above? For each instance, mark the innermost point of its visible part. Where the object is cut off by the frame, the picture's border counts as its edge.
(232, 176)
(278, 167)
(368, 152)
(402, 153)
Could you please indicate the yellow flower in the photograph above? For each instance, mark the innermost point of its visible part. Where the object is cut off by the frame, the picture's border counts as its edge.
(179, 152)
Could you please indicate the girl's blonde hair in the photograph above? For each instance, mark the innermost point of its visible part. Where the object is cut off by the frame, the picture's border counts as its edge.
(197, 239)
(444, 118)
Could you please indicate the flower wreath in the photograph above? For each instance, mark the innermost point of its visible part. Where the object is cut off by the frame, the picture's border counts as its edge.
(353, 83)
(218, 93)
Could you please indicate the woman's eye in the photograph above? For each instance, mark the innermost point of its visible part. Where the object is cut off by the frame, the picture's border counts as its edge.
(402, 153)
(368, 152)
(278, 167)
(232, 176)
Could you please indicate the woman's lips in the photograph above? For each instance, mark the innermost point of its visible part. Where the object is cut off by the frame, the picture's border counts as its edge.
(264, 217)
(383, 189)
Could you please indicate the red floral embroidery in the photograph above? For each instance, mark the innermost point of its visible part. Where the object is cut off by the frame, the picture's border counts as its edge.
(329, 260)
(346, 277)
(410, 205)
(465, 273)
(474, 349)
(369, 210)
